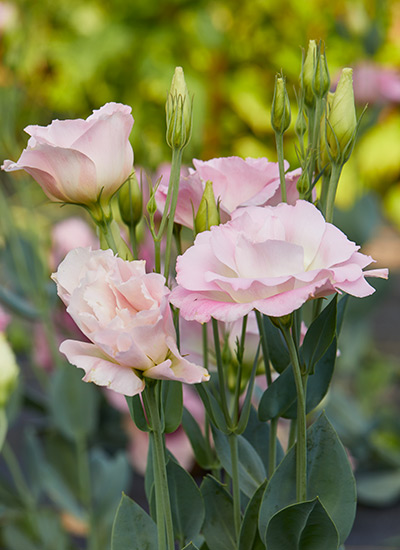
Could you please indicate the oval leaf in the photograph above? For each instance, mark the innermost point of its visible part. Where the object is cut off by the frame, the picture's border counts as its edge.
(218, 527)
(329, 474)
(133, 529)
(302, 526)
(249, 538)
(186, 502)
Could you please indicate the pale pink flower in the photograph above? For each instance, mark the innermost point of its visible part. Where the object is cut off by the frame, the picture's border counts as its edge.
(375, 84)
(125, 313)
(79, 160)
(236, 183)
(272, 259)
(69, 234)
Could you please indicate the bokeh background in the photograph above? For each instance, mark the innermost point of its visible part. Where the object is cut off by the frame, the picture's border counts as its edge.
(63, 59)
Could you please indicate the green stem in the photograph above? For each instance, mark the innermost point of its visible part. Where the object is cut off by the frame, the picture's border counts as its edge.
(221, 373)
(106, 236)
(133, 239)
(165, 527)
(86, 489)
(235, 483)
(315, 136)
(333, 183)
(273, 428)
(174, 182)
(157, 255)
(274, 422)
(301, 447)
(21, 486)
(279, 150)
(205, 345)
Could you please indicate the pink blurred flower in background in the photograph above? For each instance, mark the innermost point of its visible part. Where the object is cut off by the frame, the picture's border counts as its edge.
(5, 318)
(78, 160)
(272, 259)
(125, 313)
(236, 183)
(68, 234)
(376, 84)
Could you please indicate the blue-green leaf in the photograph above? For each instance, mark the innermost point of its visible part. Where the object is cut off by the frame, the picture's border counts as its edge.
(302, 526)
(329, 476)
(133, 528)
(218, 526)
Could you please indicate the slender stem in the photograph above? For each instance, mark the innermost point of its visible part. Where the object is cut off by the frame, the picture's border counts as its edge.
(292, 433)
(85, 489)
(273, 427)
(157, 255)
(264, 346)
(205, 345)
(174, 182)
(279, 150)
(108, 238)
(22, 488)
(274, 422)
(133, 239)
(221, 373)
(333, 183)
(235, 483)
(301, 447)
(315, 136)
(165, 527)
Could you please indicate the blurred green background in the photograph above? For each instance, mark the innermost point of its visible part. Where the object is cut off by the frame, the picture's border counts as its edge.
(62, 59)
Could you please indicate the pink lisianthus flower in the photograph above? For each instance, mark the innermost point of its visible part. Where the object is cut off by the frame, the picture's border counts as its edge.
(376, 84)
(125, 314)
(236, 183)
(272, 259)
(79, 161)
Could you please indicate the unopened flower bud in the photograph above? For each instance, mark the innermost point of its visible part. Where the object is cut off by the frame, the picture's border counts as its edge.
(8, 372)
(208, 213)
(130, 201)
(152, 205)
(307, 74)
(303, 184)
(321, 80)
(341, 119)
(323, 157)
(280, 112)
(179, 112)
(300, 126)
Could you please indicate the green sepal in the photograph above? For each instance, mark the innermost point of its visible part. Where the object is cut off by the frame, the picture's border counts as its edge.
(133, 528)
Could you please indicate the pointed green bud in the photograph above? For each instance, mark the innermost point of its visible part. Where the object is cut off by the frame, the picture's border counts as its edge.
(130, 201)
(300, 126)
(323, 157)
(208, 213)
(303, 184)
(178, 112)
(280, 112)
(152, 205)
(342, 120)
(307, 74)
(321, 81)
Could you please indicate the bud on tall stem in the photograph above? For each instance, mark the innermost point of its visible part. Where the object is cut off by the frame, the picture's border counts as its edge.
(178, 112)
(307, 74)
